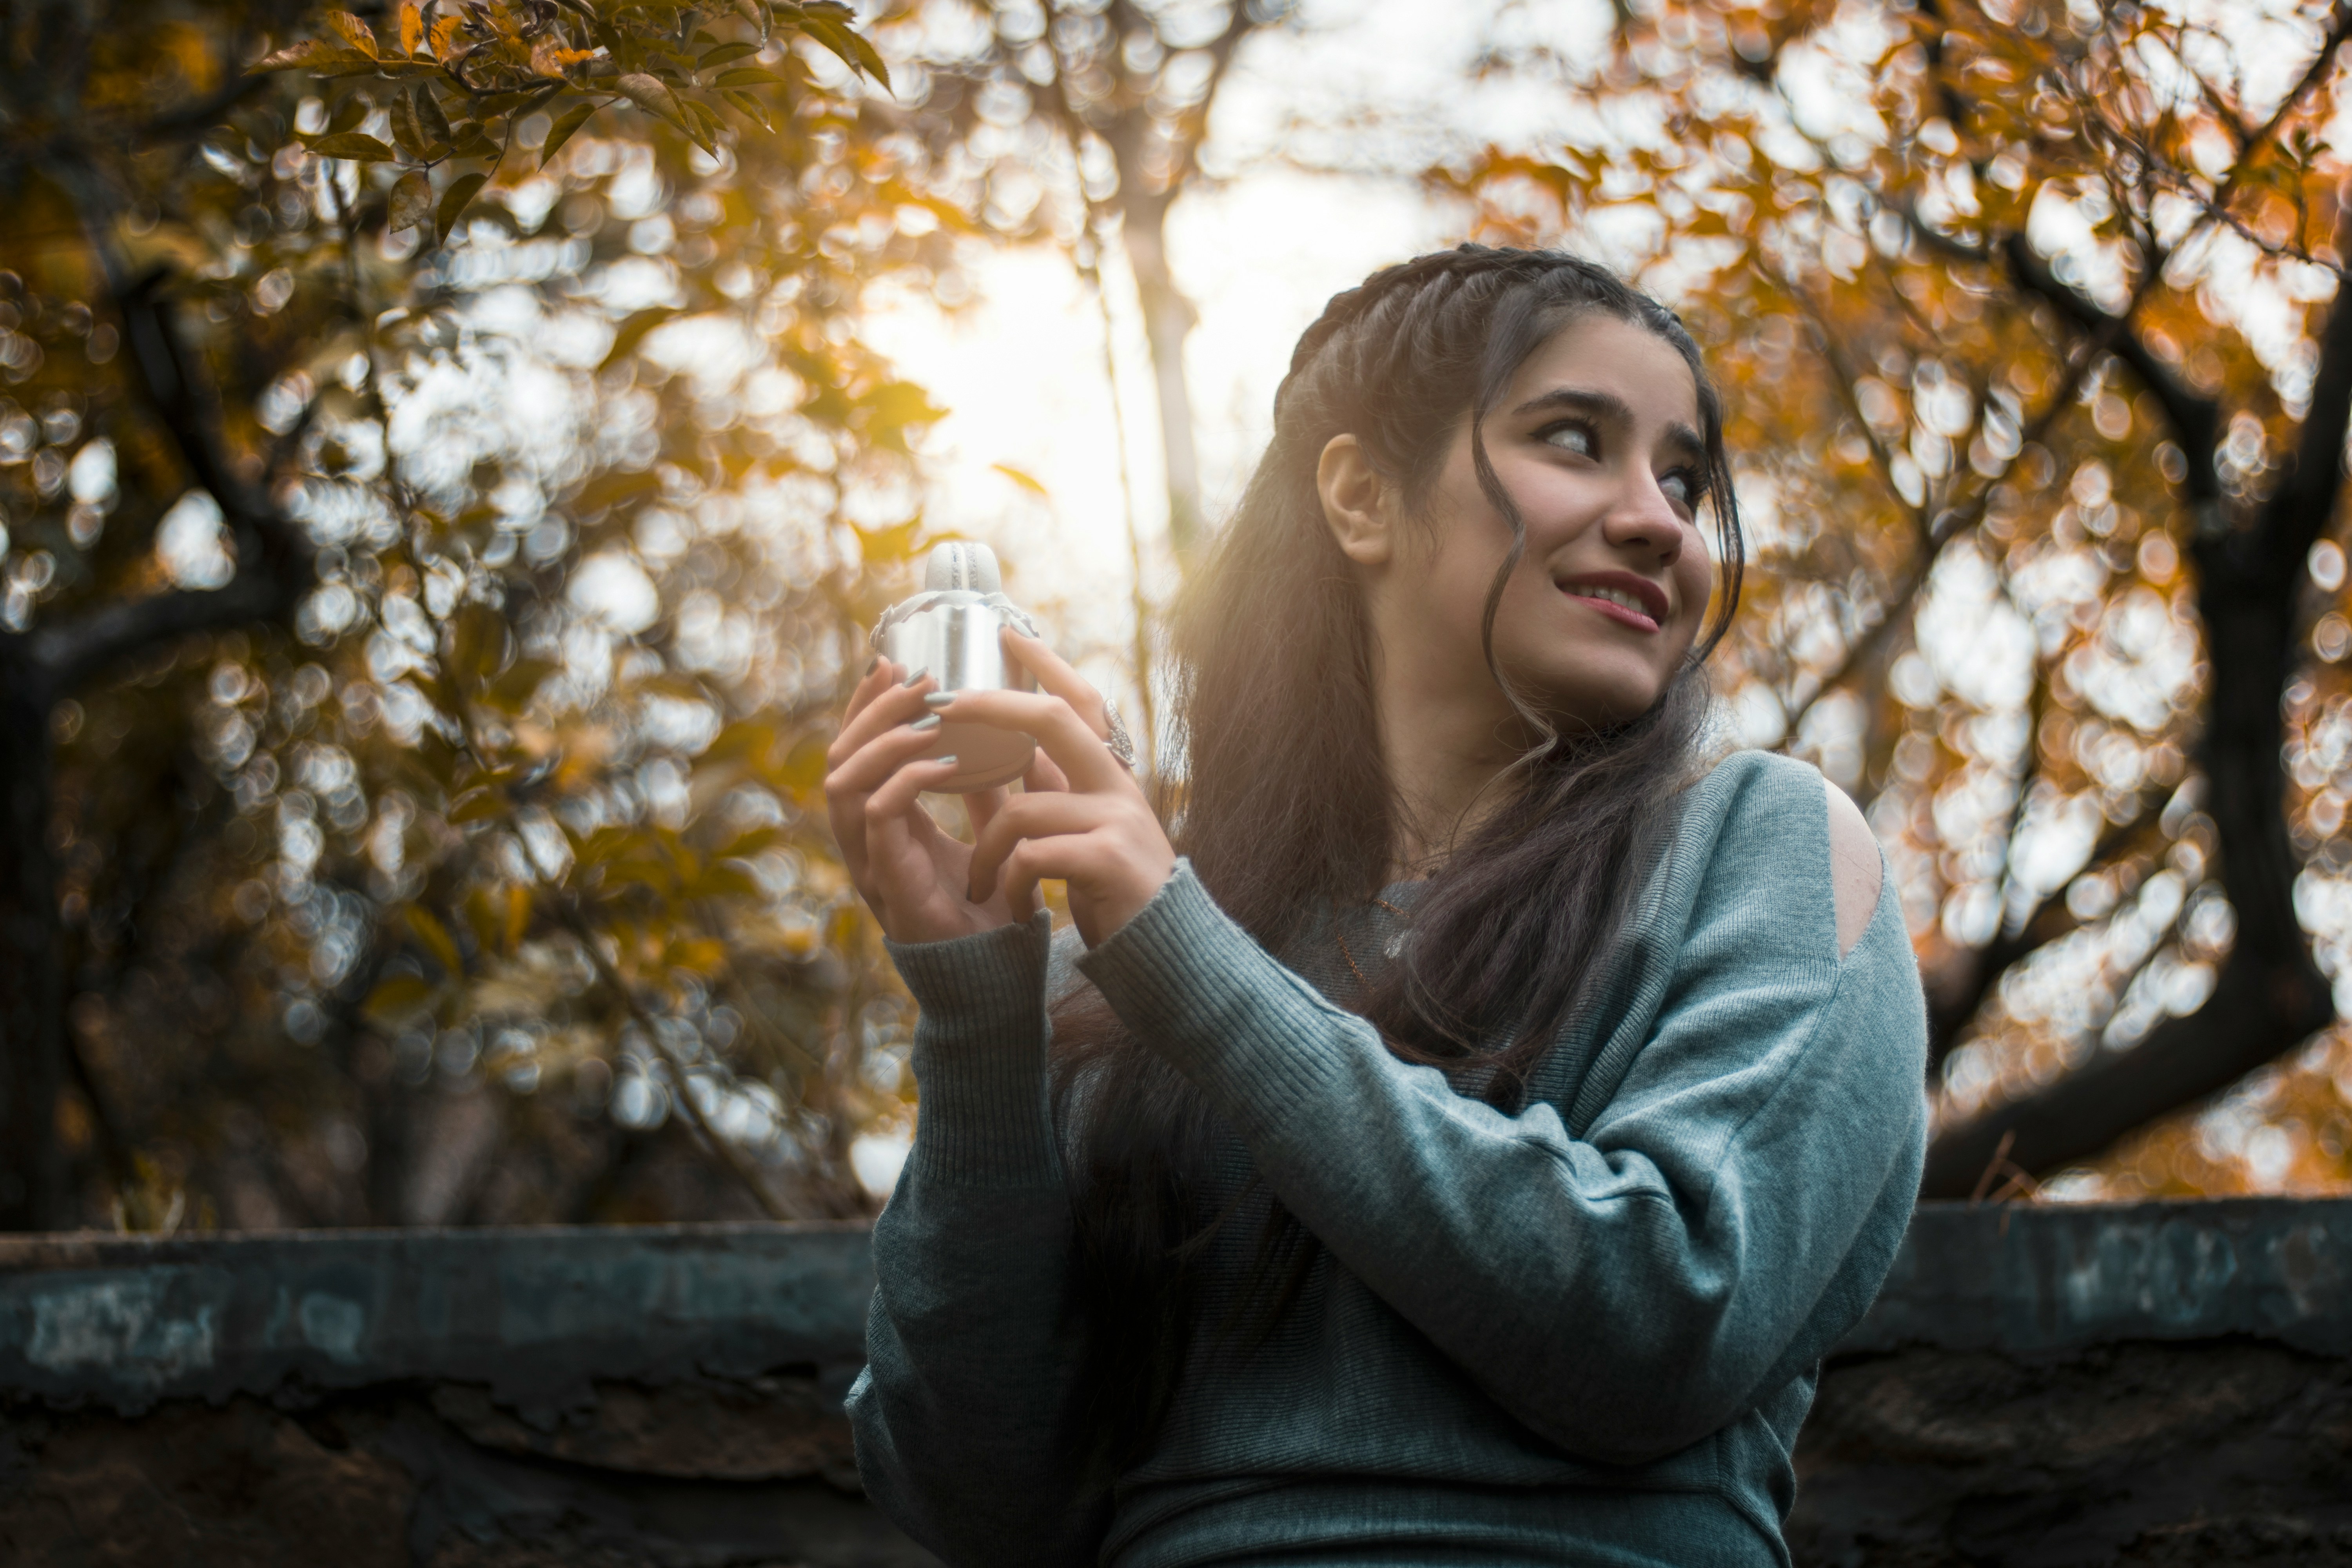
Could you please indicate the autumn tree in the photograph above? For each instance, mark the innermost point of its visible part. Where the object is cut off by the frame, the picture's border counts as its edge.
(443, 487)
(2028, 319)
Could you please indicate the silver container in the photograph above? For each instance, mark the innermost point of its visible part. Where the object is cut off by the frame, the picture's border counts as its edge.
(950, 630)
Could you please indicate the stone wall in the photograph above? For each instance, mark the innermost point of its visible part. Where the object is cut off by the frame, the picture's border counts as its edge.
(2155, 1383)
(2147, 1383)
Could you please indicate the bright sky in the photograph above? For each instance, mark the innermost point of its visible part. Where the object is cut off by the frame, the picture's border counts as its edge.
(1258, 252)
(1022, 371)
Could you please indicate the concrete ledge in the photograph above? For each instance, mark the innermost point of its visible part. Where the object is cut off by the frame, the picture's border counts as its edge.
(2149, 1383)
(535, 1315)
(2067, 1277)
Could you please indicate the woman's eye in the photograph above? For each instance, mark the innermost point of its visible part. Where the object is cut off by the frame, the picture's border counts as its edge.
(1577, 438)
(1681, 489)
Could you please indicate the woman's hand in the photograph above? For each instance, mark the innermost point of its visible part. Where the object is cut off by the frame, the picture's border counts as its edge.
(912, 874)
(1083, 819)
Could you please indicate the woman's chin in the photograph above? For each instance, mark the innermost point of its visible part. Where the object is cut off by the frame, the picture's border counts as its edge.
(1581, 701)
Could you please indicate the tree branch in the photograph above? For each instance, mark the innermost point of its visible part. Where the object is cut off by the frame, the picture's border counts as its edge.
(2270, 995)
(2194, 417)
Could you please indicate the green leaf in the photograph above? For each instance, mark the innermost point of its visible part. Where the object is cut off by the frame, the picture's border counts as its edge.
(353, 146)
(573, 119)
(632, 333)
(751, 78)
(454, 200)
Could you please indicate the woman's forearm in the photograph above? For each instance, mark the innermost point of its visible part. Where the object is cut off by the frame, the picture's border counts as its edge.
(964, 1414)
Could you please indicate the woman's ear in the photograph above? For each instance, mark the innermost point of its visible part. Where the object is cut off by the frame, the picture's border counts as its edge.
(1358, 506)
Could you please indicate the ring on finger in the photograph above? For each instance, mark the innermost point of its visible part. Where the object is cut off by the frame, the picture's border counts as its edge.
(1120, 743)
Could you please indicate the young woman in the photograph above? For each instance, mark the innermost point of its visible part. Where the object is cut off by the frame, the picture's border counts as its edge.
(1466, 1151)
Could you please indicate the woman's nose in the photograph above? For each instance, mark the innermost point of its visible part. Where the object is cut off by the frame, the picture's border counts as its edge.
(1645, 519)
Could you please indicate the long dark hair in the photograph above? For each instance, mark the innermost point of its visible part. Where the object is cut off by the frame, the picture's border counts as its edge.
(1287, 813)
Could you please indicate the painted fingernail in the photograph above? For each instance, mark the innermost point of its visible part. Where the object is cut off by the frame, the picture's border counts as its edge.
(929, 722)
(947, 761)
(938, 698)
(916, 676)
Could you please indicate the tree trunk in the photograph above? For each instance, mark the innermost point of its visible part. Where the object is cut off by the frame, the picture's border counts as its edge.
(2270, 995)
(1167, 319)
(33, 1188)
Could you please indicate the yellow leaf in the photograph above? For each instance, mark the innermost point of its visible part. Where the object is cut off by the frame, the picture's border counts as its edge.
(397, 998)
(412, 201)
(354, 145)
(476, 805)
(435, 938)
(454, 200)
(517, 917)
(702, 954)
(353, 31)
(1021, 477)
(412, 27)
(726, 880)
(649, 93)
(308, 52)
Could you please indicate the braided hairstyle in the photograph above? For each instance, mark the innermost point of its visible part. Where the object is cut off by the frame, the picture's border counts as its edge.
(1286, 810)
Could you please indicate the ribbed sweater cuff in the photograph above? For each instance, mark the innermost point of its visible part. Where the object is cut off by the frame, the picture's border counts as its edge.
(982, 1118)
(1199, 989)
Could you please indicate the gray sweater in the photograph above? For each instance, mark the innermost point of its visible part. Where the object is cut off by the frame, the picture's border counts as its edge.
(1582, 1333)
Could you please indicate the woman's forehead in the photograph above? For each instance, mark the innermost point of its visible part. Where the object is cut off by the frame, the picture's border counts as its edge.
(1605, 353)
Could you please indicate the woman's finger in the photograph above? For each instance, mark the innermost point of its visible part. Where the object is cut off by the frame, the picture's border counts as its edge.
(1055, 675)
(896, 696)
(895, 801)
(872, 764)
(981, 806)
(1024, 868)
(1043, 775)
(1029, 817)
(877, 676)
(1074, 746)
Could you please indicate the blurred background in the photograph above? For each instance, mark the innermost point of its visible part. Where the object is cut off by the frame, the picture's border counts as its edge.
(450, 454)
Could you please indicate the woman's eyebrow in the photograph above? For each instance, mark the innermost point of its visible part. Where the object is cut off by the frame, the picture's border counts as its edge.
(1608, 406)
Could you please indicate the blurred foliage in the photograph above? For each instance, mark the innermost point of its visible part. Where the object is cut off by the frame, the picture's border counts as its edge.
(490, 882)
(1944, 255)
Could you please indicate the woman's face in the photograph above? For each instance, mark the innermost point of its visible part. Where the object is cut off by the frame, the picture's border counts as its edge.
(1597, 441)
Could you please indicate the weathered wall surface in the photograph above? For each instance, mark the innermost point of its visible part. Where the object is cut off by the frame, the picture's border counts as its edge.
(2150, 1385)
(658, 1396)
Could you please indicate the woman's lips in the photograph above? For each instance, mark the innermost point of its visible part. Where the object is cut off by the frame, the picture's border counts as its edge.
(1627, 600)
